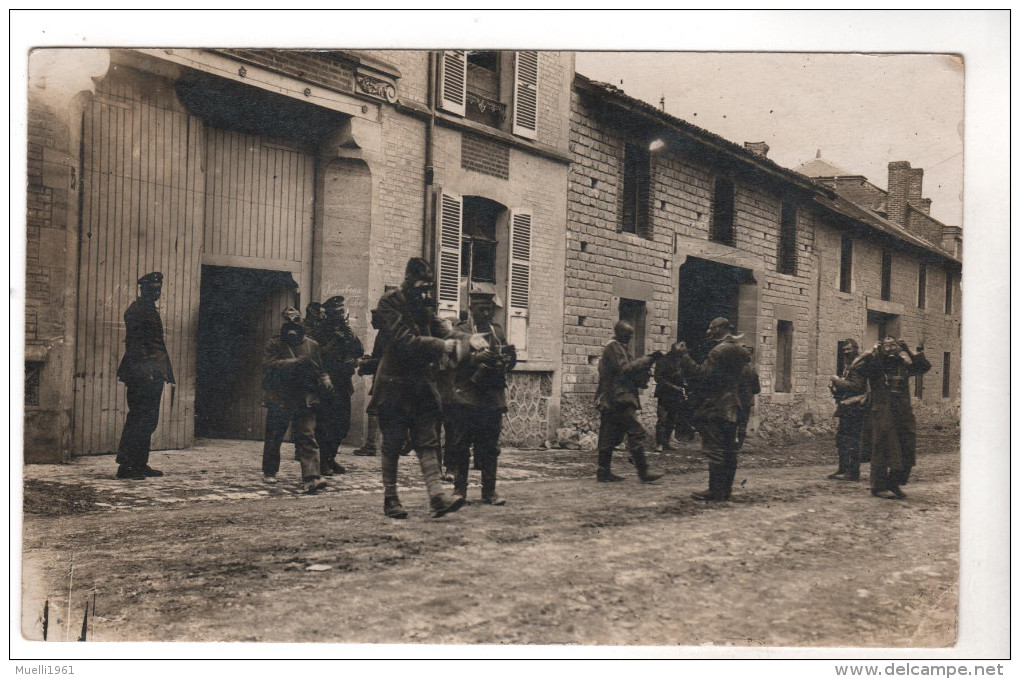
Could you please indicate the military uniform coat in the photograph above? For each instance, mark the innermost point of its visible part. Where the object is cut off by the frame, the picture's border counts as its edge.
(406, 375)
(892, 429)
(145, 355)
(618, 378)
(289, 385)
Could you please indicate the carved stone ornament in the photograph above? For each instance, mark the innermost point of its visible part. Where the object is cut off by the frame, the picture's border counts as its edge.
(485, 105)
(377, 88)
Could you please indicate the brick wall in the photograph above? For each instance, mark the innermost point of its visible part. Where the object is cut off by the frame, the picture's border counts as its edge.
(483, 155)
(318, 68)
(598, 256)
(845, 315)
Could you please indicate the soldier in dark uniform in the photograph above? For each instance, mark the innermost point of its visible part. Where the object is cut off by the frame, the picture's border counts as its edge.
(671, 394)
(617, 401)
(292, 380)
(405, 394)
(478, 401)
(368, 366)
(750, 386)
(850, 411)
(144, 369)
(313, 316)
(340, 350)
(719, 412)
(892, 428)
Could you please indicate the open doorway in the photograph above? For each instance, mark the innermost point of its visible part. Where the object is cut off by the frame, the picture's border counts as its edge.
(880, 325)
(239, 311)
(706, 290)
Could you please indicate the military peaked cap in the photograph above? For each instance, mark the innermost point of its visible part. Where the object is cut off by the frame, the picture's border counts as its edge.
(334, 302)
(150, 278)
(720, 321)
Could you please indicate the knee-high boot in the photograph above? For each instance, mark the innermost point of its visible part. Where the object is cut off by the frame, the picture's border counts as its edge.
(489, 494)
(641, 463)
(605, 467)
(441, 502)
(391, 503)
(726, 478)
(715, 485)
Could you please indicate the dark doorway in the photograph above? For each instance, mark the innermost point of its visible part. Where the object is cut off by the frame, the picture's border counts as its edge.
(706, 290)
(239, 311)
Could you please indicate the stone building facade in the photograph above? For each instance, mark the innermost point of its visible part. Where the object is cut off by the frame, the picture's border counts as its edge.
(256, 179)
(670, 226)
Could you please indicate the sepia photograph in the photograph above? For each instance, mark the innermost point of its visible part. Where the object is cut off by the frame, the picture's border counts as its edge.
(458, 346)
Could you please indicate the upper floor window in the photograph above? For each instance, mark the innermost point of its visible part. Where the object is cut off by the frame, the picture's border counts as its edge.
(483, 246)
(495, 88)
(846, 263)
(886, 275)
(722, 212)
(922, 285)
(949, 291)
(786, 257)
(636, 180)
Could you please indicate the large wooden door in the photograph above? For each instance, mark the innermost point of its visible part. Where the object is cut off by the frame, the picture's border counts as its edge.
(141, 211)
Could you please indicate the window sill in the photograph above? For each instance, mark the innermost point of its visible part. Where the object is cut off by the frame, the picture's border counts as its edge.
(521, 143)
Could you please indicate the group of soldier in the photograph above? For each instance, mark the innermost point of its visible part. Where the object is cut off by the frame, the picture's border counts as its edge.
(434, 377)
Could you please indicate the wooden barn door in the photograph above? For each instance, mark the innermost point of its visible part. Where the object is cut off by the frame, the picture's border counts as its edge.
(260, 199)
(141, 211)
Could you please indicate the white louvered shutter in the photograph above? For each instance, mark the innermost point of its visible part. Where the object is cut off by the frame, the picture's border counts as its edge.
(448, 231)
(453, 82)
(519, 281)
(526, 94)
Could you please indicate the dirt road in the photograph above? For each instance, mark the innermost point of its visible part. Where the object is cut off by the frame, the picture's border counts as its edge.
(209, 554)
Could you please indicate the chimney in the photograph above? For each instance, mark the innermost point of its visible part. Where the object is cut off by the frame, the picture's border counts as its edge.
(900, 176)
(924, 206)
(758, 148)
(952, 240)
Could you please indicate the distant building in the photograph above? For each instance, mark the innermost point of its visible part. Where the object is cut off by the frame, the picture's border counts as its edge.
(669, 226)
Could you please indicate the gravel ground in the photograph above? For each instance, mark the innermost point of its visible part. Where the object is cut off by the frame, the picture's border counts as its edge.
(209, 553)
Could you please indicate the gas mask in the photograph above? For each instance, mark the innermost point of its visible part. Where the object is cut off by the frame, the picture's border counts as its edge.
(292, 333)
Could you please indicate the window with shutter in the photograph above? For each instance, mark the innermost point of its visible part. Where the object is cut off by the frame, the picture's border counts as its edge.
(519, 281)
(449, 218)
(453, 82)
(525, 116)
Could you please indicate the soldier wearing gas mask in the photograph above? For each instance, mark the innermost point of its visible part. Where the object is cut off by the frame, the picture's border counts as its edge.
(617, 400)
(892, 429)
(340, 350)
(405, 395)
(719, 414)
(292, 382)
(478, 400)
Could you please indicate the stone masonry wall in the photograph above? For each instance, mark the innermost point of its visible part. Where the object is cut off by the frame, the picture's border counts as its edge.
(598, 255)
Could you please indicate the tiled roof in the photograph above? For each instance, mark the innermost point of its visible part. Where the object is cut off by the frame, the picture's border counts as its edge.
(824, 196)
(614, 92)
(858, 213)
(819, 167)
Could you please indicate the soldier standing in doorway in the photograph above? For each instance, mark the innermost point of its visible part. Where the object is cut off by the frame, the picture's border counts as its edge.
(718, 414)
(671, 395)
(618, 403)
(405, 394)
(292, 381)
(340, 350)
(849, 393)
(144, 369)
(478, 401)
